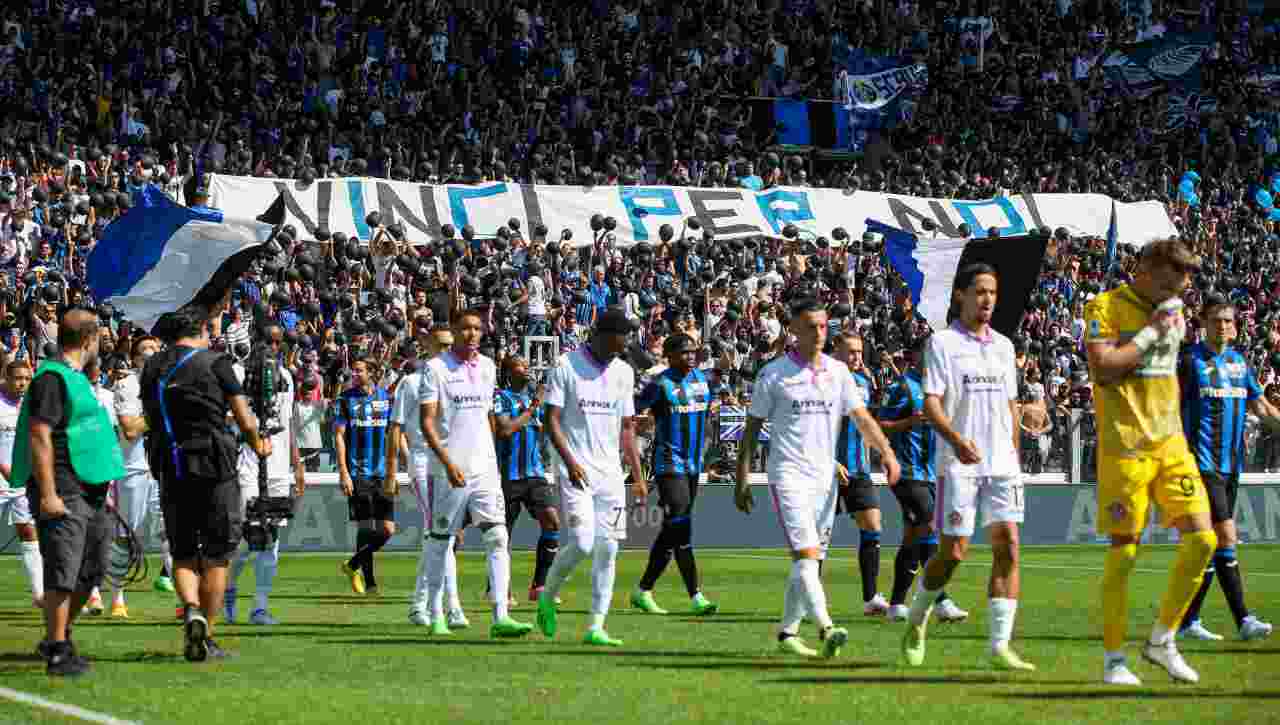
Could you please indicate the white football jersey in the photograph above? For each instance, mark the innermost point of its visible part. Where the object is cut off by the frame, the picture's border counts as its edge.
(464, 392)
(279, 465)
(127, 400)
(804, 407)
(976, 379)
(8, 430)
(593, 401)
(405, 411)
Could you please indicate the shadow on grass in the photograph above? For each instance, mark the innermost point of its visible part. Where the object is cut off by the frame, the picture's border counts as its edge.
(1239, 650)
(141, 657)
(763, 665)
(1138, 693)
(913, 679)
(20, 657)
(717, 619)
(424, 641)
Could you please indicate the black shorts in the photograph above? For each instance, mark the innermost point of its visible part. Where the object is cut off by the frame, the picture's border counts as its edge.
(859, 495)
(533, 494)
(368, 502)
(202, 520)
(676, 494)
(1222, 495)
(76, 548)
(916, 498)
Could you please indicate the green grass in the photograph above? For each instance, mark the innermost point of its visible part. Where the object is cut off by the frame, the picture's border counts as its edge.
(342, 659)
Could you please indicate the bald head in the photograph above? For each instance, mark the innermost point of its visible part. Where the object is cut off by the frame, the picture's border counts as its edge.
(78, 328)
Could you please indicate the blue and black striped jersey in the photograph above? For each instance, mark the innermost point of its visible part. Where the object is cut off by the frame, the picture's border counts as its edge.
(365, 418)
(520, 455)
(679, 408)
(916, 448)
(1216, 390)
(851, 449)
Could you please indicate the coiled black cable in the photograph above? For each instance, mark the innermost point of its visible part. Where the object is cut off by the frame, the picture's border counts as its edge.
(128, 566)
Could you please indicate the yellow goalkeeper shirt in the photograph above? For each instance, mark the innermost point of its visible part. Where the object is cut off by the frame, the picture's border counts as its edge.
(1141, 411)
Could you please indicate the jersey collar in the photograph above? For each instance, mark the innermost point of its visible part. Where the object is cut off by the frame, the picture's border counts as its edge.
(986, 339)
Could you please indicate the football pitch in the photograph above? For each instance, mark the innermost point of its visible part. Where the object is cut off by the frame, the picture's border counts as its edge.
(341, 658)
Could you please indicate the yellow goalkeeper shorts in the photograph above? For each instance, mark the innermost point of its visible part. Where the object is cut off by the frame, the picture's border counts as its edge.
(1127, 484)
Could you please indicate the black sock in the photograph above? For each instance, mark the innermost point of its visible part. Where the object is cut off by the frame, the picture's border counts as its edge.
(905, 565)
(1228, 568)
(869, 562)
(925, 549)
(1193, 611)
(548, 547)
(659, 557)
(362, 540)
(682, 544)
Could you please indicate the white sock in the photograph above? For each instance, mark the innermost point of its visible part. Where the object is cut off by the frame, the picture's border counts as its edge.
(604, 569)
(33, 564)
(238, 563)
(1160, 634)
(264, 571)
(451, 579)
(810, 585)
(119, 552)
(595, 621)
(419, 600)
(566, 560)
(922, 604)
(437, 552)
(495, 544)
(792, 604)
(165, 556)
(1002, 614)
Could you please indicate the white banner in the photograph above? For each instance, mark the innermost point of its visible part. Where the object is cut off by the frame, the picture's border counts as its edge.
(341, 205)
(877, 90)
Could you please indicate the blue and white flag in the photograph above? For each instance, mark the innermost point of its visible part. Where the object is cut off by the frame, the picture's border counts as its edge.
(1113, 236)
(929, 268)
(160, 256)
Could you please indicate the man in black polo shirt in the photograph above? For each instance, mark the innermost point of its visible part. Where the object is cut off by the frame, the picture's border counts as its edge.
(186, 393)
(65, 453)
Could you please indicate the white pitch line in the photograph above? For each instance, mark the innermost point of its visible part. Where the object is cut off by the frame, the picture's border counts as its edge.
(1054, 567)
(62, 708)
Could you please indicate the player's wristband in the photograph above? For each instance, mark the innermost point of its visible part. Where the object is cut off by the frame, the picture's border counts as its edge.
(1145, 338)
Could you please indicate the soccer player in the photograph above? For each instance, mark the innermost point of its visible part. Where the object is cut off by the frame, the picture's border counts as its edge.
(804, 396)
(361, 440)
(679, 398)
(1132, 334)
(284, 454)
(404, 434)
(853, 470)
(14, 509)
(971, 398)
(1217, 386)
(590, 417)
(137, 495)
(914, 442)
(524, 477)
(455, 397)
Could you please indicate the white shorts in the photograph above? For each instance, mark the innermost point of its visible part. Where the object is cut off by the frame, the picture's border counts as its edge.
(1000, 497)
(136, 495)
(14, 507)
(598, 512)
(448, 506)
(277, 487)
(806, 513)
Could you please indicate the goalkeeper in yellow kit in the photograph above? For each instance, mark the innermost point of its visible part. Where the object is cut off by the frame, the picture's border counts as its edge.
(1132, 334)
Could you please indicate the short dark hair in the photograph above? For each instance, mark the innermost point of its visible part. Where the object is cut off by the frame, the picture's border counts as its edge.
(1213, 302)
(677, 342)
(135, 348)
(189, 321)
(78, 326)
(970, 272)
(469, 312)
(806, 304)
(15, 364)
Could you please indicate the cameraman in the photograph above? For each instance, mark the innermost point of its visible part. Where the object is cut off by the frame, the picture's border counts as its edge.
(186, 392)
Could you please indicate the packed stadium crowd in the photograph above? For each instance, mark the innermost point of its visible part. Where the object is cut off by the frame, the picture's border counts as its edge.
(107, 97)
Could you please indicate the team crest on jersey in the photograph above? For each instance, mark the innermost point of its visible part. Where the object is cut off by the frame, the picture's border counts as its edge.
(575, 521)
(1119, 512)
(955, 519)
(1095, 328)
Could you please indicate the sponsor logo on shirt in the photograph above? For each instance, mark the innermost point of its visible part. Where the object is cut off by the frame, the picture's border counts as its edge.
(810, 407)
(470, 401)
(690, 408)
(595, 407)
(1228, 392)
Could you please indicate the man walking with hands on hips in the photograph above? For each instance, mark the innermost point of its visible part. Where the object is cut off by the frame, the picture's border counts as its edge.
(971, 399)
